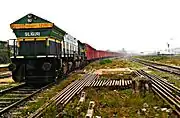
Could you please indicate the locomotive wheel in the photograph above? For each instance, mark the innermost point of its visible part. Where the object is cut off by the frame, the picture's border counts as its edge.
(65, 68)
(70, 66)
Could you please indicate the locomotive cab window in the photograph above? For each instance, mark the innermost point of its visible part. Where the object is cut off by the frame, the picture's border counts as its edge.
(32, 48)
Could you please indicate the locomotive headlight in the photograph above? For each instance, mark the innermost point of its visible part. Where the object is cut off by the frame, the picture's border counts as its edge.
(46, 66)
(29, 20)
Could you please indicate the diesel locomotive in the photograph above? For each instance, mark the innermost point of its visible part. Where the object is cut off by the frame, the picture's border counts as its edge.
(43, 51)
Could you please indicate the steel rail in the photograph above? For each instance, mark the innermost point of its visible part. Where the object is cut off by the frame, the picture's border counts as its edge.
(168, 68)
(172, 87)
(65, 95)
(163, 85)
(165, 89)
(65, 101)
(14, 104)
(11, 88)
(62, 98)
(169, 95)
(68, 89)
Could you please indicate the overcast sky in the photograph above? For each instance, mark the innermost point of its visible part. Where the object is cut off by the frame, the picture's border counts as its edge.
(136, 25)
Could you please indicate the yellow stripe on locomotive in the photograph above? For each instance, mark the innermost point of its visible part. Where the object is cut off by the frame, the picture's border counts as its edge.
(33, 25)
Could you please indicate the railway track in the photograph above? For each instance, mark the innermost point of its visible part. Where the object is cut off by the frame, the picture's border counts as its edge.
(62, 98)
(111, 83)
(14, 96)
(169, 93)
(2, 92)
(161, 67)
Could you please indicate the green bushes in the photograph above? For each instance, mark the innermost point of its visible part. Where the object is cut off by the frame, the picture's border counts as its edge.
(4, 58)
(155, 58)
(105, 61)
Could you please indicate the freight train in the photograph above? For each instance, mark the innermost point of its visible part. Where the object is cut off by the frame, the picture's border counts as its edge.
(43, 51)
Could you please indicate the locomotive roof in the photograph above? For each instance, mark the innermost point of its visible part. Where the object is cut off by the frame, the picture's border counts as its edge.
(36, 19)
(32, 22)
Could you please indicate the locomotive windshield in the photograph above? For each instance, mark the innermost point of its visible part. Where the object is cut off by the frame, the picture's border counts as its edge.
(27, 48)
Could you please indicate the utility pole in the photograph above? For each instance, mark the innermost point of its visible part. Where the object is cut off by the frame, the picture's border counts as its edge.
(168, 47)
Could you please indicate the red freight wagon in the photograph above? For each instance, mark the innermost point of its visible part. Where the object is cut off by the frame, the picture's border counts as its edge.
(101, 54)
(90, 52)
(98, 54)
(93, 54)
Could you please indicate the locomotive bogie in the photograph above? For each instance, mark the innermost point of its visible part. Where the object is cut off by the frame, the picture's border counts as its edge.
(36, 70)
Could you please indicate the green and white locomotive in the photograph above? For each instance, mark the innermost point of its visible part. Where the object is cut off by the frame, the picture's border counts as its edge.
(42, 51)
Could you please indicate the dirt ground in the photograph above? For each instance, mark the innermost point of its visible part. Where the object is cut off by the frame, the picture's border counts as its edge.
(6, 80)
(105, 71)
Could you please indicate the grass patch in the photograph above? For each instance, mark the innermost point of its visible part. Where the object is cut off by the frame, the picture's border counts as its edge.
(116, 103)
(112, 63)
(134, 65)
(50, 112)
(121, 75)
(172, 60)
(119, 103)
(106, 64)
(105, 61)
(154, 58)
(8, 85)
